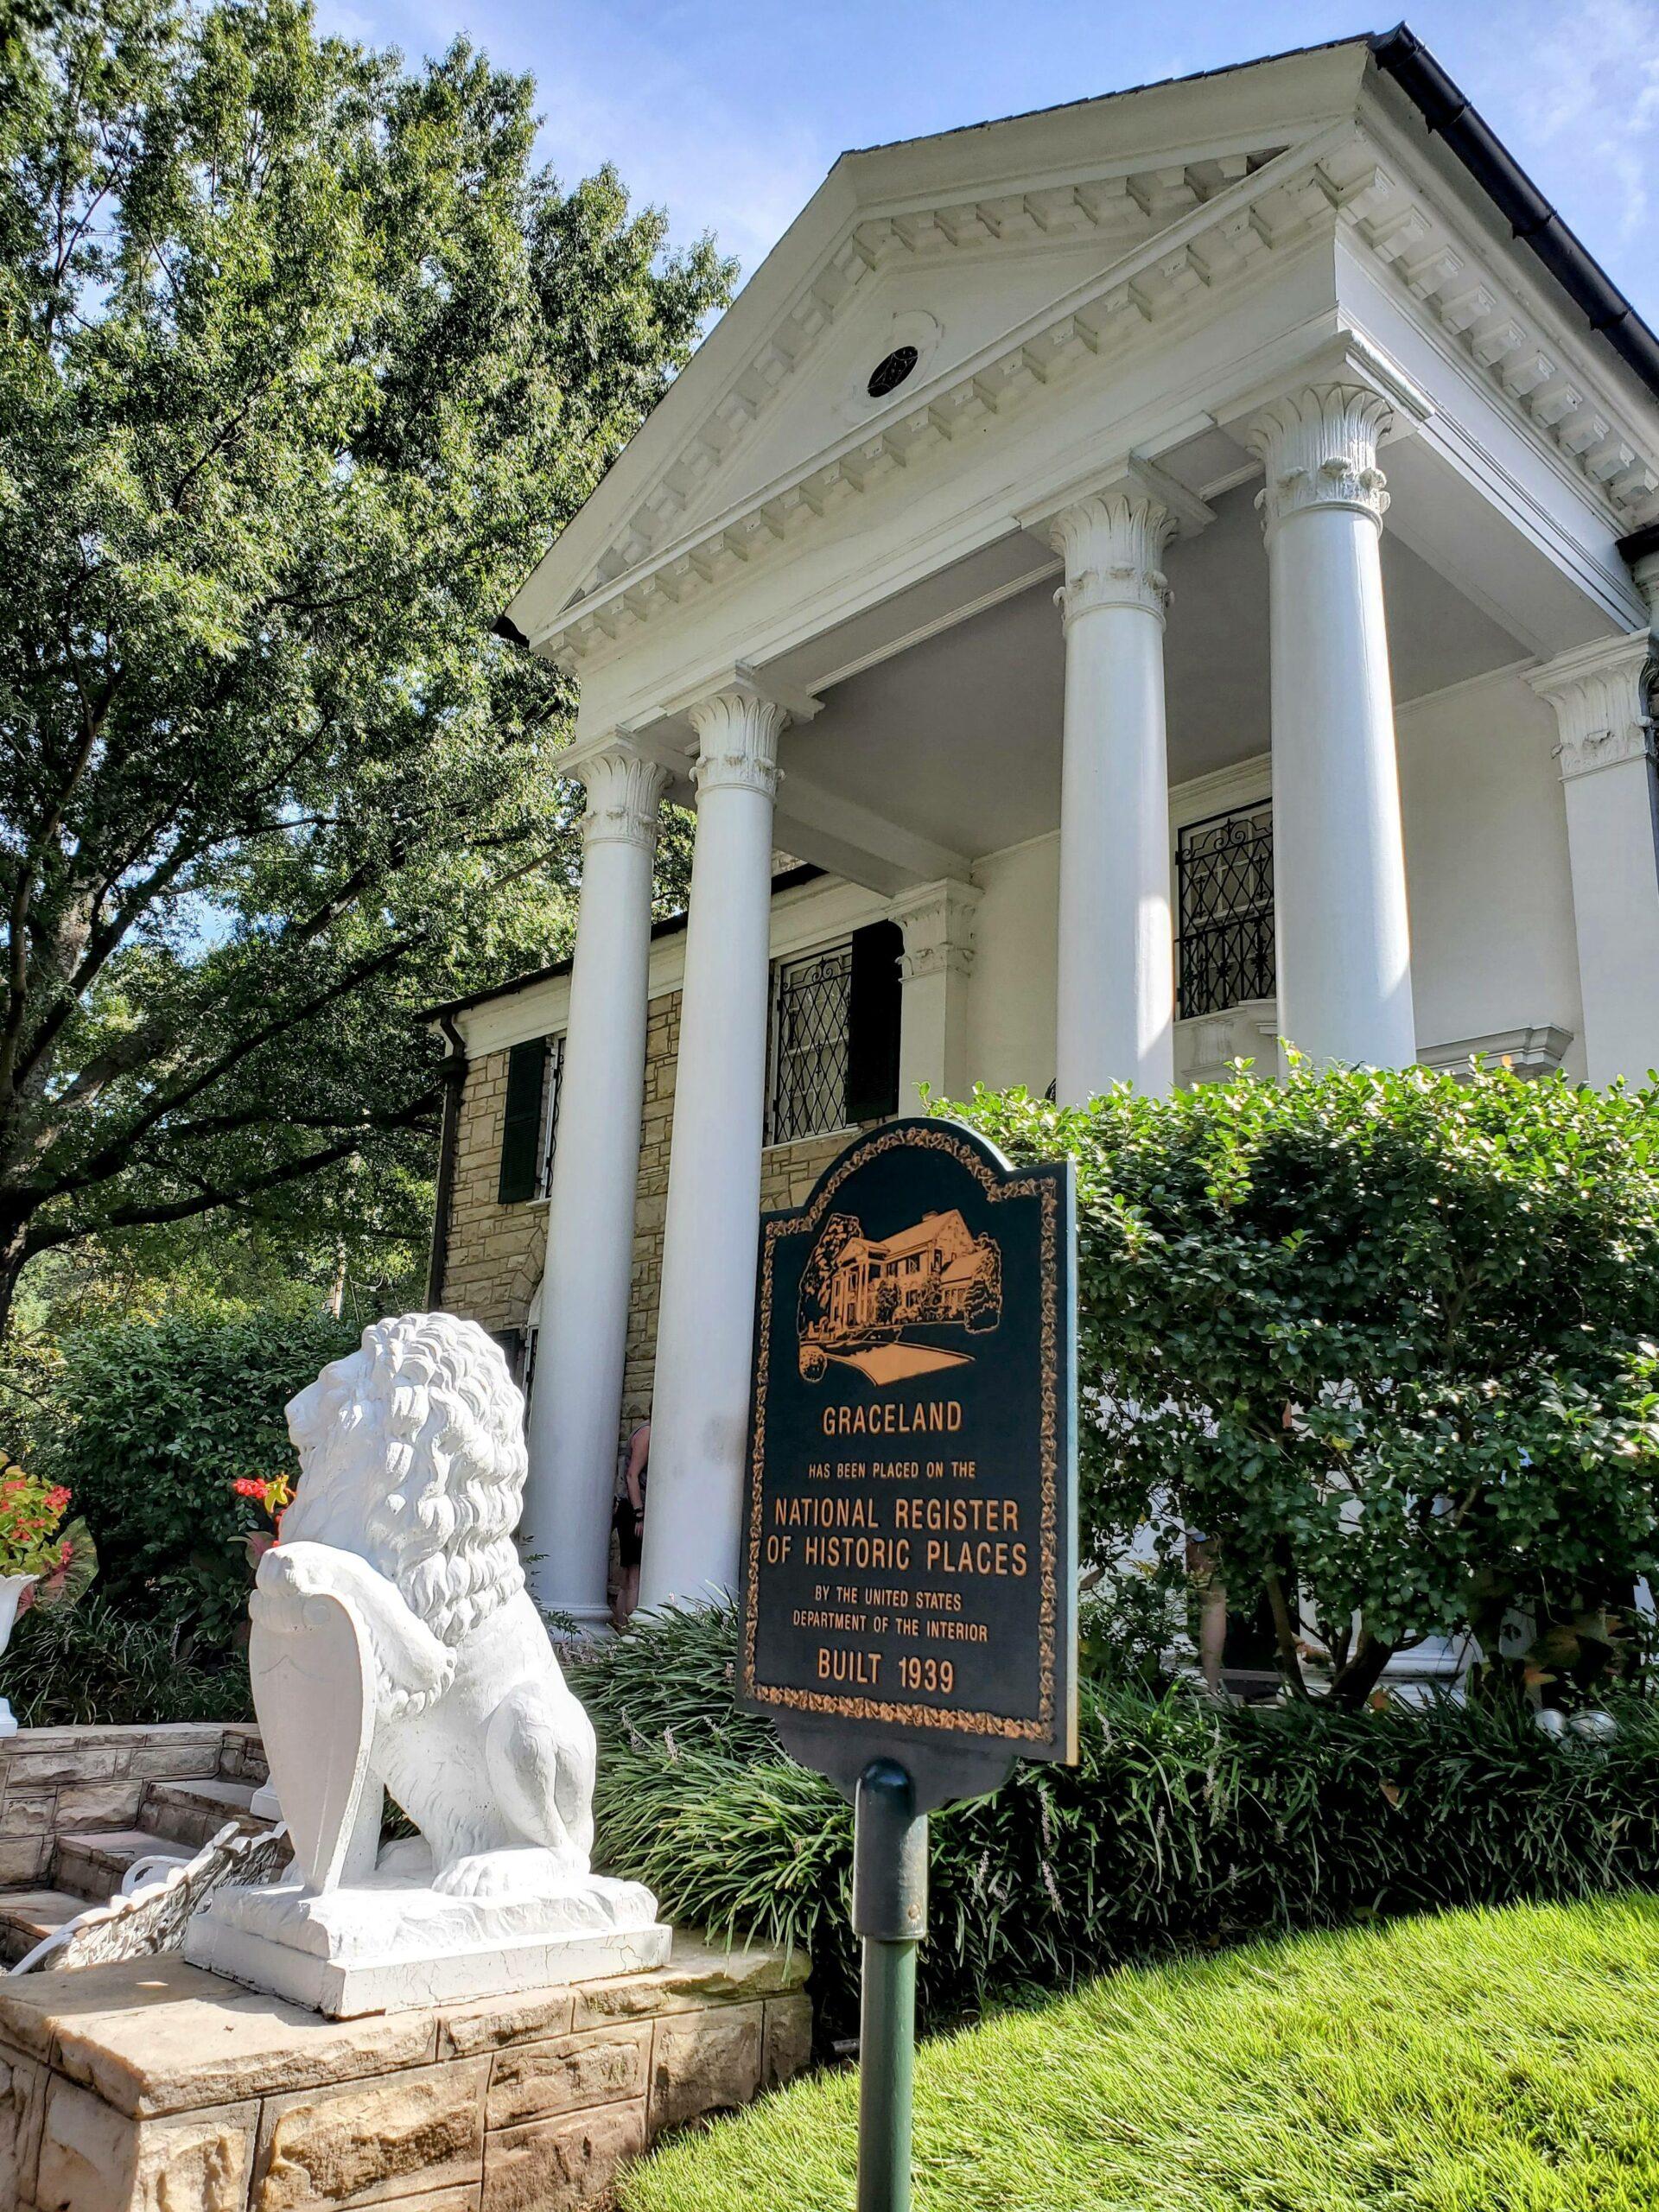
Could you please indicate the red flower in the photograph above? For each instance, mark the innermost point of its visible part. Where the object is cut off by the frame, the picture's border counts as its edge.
(57, 1497)
(246, 1486)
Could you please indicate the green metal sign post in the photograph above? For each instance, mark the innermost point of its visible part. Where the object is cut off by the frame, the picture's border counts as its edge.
(890, 1919)
(909, 1563)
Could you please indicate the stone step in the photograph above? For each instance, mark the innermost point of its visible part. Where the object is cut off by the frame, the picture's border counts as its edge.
(192, 1812)
(27, 1917)
(94, 1861)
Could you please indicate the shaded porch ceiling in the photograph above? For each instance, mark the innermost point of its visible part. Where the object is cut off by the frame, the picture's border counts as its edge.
(955, 738)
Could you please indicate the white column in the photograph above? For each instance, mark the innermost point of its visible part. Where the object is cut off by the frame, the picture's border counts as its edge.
(937, 922)
(1340, 871)
(1603, 697)
(1116, 996)
(576, 1404)
(701, 1398)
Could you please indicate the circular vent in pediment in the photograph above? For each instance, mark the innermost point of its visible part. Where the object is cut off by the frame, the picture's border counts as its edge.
(890, 372)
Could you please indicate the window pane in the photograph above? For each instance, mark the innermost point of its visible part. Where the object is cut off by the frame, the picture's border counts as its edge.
(808, 1046)
(1223, 869)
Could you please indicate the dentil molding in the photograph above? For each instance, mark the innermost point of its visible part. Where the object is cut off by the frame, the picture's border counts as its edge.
(624, 791)
(737, 732)
(1603, 697)
(1225, 221)
(1317, 449)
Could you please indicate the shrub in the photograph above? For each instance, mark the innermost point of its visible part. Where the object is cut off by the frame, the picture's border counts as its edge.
(1400, 1328)
(1498, 2060)
(159, 1421)
(1185, 1821)
(88, 1666)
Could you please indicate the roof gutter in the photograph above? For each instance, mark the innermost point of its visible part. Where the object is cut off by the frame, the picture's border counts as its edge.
(453, 1075)
(1448, 114)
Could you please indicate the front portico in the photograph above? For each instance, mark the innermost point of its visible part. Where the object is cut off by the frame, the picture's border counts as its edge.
(1329, 481)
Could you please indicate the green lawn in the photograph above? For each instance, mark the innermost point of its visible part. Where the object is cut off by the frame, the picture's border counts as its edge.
(1478, 2062)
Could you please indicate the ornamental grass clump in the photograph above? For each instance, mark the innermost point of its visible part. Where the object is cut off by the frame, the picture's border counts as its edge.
(1389, 1340)
(1185, 1823)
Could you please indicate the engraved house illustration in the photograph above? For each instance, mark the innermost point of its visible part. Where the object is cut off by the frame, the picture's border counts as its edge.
(935, 1270)
(862, 1296)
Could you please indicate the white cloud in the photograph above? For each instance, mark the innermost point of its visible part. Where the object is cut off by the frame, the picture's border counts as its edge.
(1581, 84)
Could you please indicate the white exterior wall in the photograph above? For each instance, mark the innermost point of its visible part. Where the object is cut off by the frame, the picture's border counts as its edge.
(1492, 936)
(1493, 948)
(1011, 993)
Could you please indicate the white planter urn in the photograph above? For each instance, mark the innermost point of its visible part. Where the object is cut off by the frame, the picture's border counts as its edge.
(12, 1588)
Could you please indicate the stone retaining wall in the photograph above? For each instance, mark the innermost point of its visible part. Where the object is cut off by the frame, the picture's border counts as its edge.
(55, 1781)
(154, 2087)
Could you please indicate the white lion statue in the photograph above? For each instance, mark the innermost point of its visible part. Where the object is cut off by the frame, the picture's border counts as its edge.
(394, 1642)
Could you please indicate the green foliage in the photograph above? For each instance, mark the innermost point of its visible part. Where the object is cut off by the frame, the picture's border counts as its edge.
(159, 1421)
(1403, 1325)
(1480, 2061)
(90, 1666)
(1128, 1619)
(302, 364)
(1185, 1821)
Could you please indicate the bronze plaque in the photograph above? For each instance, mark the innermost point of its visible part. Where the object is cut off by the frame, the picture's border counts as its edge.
(909, 1550)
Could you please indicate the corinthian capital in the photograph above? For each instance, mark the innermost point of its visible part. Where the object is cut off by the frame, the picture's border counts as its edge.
(1318, 448)
(937, 922)
(737, 740)
(624, 792)
(1113, 545)
(1603, 697)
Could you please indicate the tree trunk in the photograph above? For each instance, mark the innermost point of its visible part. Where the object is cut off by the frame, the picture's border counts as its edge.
(13, 1259)
(1284, 1633)
(337, 1288)
(1355, 1682)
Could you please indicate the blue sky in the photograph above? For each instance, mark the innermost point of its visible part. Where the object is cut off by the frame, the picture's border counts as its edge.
(729, 112)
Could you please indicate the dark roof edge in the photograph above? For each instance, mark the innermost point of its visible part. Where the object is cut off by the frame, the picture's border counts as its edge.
(1448, 114)
(792, 878)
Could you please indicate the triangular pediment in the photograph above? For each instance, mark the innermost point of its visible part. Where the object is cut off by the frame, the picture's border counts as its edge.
(941, 284)
(948, 243)
(933, 282)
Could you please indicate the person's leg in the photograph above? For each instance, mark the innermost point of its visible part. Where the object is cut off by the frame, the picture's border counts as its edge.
(628, 1596)
(1213, 1609)
(1213, 1630)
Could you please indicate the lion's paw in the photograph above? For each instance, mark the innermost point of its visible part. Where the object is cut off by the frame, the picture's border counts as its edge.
(530, 1873)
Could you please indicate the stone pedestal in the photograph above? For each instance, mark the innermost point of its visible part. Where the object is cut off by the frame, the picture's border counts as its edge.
(391, 1941)
(156, 2087)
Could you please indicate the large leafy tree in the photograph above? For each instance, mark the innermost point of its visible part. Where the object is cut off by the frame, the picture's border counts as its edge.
(302, 361)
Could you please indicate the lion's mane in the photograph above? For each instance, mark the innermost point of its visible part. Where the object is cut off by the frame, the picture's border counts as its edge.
(423, 1473)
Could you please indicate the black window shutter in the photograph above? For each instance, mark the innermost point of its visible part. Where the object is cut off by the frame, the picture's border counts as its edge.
(521, 1125)
(873, 1022)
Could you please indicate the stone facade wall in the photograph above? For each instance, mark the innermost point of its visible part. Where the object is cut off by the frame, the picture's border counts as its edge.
(58, 1781)
(154, 2087)
(496, 1252)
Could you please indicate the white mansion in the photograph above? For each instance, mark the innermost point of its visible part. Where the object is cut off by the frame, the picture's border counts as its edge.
(1016, 554)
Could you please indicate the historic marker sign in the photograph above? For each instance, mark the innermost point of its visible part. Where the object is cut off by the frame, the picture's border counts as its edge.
(909, 1548)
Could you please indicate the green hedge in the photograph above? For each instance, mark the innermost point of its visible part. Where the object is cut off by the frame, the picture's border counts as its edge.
(1397, 1329)
(88, 1666)
(1473, 2063)
(157, 1420)
(1185, 1822)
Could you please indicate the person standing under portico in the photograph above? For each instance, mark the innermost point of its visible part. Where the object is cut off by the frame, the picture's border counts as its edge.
(630, 1523)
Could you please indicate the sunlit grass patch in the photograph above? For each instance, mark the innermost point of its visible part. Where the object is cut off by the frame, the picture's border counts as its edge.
(1474, 2061)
